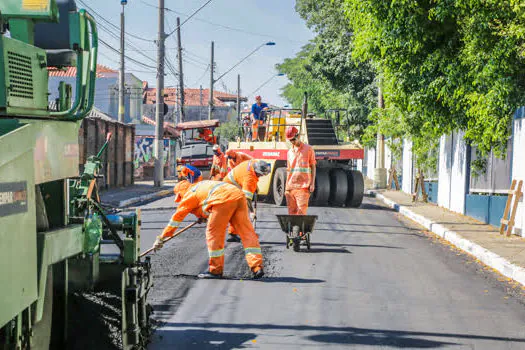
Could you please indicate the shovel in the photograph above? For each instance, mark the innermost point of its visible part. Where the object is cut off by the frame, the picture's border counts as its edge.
(169, 238)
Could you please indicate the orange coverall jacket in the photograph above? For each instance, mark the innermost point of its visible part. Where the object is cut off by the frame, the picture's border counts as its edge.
(199, 200)
(299, 173)
(218, 167)
(243, 176)
(239, 158)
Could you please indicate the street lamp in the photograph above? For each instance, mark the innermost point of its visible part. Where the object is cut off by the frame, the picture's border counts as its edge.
(267, 81)
(213, 81)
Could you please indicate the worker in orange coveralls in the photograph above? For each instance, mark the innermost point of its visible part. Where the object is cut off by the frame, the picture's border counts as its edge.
(220, 203)
(246, 176)
(218, 166)
(235, 158)
(300, 169)
(191, 173)
(207, 135)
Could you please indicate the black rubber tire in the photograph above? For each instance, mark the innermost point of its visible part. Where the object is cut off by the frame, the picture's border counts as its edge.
(42, 329)
(296, 246)
(338, 187)
(278, 186)
(308, 241)
(356, 189)
(322, 188)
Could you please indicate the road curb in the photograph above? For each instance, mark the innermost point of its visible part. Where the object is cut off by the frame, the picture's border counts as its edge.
(146, 197)
(489, 258)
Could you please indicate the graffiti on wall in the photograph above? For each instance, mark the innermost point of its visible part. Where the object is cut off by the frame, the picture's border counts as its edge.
(144, 151)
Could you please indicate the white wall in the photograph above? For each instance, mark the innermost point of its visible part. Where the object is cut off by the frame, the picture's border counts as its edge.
(518, 166)
(371, 162)
(452, 172)
(407, 184)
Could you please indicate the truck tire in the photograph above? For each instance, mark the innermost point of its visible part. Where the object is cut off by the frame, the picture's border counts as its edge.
(322, 188)
(278, 186)
(356, 189)
(338, 187)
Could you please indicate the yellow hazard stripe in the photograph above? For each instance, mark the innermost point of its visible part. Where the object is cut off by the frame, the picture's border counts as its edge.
(252, 250)
(232, 179)
(174, 224)
(301, 170)
(216, 253)
(248, 194)
(205, 203)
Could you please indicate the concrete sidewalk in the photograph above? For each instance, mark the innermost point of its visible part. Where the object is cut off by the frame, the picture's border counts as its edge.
(504, 254)
(141, 191)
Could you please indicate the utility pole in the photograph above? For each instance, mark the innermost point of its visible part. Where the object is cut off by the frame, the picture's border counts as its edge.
(239, 98)
(181, 78)
(200, 104)
(121, 76)
(159, 111)
(380, 171)
(212, 68)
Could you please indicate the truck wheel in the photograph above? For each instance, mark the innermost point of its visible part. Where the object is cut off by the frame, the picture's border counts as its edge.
(356, 189)
(322, 188)
(278, 186)
(42, 330)
(338, 187)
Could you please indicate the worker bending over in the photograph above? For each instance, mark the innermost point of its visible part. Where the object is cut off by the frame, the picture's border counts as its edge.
(300, 173)
(218, 166)
(236, 157)
(220, 203)
(246, 176)
(190, 173)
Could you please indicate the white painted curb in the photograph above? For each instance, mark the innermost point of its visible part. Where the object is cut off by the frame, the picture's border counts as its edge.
(146, 197)
(489, 258)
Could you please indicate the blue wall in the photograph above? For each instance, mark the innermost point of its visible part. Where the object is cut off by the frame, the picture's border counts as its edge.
(485, 208)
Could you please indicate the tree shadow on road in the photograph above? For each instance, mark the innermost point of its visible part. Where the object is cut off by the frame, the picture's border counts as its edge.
(200, 339)
(360, 336)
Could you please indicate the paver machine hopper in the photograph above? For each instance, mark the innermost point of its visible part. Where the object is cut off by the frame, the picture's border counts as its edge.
(52, 225)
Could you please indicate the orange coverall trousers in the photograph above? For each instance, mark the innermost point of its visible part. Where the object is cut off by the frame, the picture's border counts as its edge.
(255, 129)
(235, 212)
(297, 201)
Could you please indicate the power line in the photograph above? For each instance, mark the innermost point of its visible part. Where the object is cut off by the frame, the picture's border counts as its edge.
(202, 76)
(129, 58)
(193, 14)
(111, 24)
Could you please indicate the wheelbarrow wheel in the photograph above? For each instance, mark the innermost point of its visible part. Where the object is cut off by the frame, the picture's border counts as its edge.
(308, 241)
(287, 242)
(296, 245)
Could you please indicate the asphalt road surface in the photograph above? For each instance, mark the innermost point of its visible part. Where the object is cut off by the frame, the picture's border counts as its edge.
(370, 281)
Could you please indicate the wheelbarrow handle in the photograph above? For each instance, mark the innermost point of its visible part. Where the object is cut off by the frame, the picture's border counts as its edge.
(170, 238)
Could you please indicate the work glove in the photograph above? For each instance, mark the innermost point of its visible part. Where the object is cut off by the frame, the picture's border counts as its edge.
(159, 243)
(202, 220)
(253, 217)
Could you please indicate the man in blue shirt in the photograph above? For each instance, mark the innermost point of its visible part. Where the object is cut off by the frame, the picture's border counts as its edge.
(191, 173)
(257, 118)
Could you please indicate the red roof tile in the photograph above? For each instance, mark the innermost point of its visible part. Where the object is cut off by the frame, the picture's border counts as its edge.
(192, 97)
(102, 71)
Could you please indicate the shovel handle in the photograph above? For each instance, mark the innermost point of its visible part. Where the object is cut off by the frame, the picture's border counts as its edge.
(170, 238)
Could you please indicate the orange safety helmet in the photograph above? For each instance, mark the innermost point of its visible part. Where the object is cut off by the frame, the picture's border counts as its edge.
(180, 190)
(231, 153)
(291, 132)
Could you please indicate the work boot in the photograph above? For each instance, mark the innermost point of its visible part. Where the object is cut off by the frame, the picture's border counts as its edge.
(233, 238)
(258, 274)
(209, 275)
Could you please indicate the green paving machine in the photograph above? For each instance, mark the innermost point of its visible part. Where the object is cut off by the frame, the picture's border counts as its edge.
(56, 238)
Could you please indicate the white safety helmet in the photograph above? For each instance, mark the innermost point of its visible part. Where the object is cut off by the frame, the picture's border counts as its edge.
(216, 148)
(261, 168)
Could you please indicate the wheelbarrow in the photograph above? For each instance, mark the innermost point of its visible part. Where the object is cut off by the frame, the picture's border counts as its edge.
(298, 229)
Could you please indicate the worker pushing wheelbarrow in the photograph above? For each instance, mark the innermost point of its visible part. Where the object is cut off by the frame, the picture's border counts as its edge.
(298, 229)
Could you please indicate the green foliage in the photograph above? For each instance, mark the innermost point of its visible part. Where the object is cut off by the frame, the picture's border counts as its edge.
(228, 131)
(446, 65)
(326, 70)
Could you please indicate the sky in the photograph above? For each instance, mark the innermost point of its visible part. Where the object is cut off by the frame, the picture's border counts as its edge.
(236, 26)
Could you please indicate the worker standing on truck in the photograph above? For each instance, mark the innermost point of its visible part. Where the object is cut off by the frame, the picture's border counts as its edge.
(246, 176)
(257, 116)
(235, 158)
(246, 121)
(300, 173)
(207, 135)
(190, 173)
(219, 167)
(220, 203)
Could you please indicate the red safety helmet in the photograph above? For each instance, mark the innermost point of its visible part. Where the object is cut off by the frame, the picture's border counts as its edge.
(291, 132)
(180, 190)
(258, 97)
